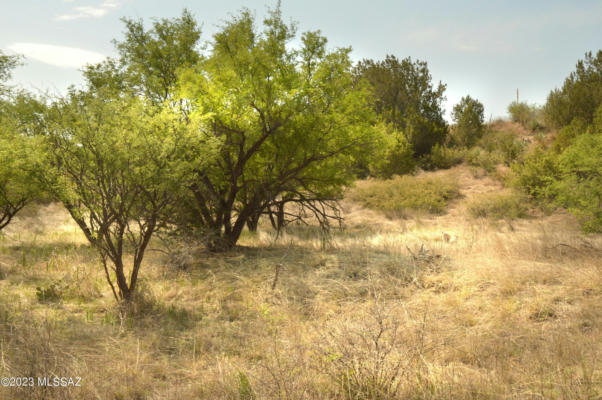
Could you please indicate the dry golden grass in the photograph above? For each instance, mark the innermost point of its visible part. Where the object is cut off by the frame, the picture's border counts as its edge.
(435, 307)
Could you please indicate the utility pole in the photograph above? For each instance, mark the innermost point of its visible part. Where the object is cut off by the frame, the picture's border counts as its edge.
(516, 95)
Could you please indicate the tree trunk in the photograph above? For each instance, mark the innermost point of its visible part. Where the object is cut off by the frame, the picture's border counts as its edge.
(280, 216)
(253, 222)
(124, 290)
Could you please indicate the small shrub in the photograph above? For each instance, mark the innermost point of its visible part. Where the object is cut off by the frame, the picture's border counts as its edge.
(520, 112)
(487, 160)
(366, 359)
(529, 116)
(442, 157)
(499, 206)
(398, 195)
(536, 126)
(504, 143)
(537, 175)
(53, 293)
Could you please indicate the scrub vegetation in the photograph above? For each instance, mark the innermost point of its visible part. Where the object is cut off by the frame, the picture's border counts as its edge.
(263, 218)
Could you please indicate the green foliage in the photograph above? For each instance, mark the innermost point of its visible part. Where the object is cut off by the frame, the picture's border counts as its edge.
(494, 148)
(152, 59)
(488, 160)
(529, 116)
(580, 95)
(579, 187)
(397, 196)
(17, 184)
(506, 144)
(443, 157)
(568, 133)
(119, 167)
(403, 95)
(571, 179)
(597, 124)
(499, 206)
(537, 175)
(18, 150)
(7, 64)
(468, 115)
(292, 122)
(393, 153)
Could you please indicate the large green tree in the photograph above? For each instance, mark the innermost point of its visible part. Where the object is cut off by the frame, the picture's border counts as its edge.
(291, 123)
(404, 95)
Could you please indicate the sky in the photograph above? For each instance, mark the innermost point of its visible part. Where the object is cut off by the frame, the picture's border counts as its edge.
(485, 49)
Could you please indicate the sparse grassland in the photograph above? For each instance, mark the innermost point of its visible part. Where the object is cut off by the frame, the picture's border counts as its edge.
(388, 309)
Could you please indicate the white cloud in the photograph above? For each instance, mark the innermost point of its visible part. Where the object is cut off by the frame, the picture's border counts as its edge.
(60, 56)
(90, 11)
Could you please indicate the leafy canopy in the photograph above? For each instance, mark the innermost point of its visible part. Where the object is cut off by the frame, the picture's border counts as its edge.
(580, 95)
(152, 58)
(468, 116)
(291, 122)
(118, 166)
(404, 95)
(18, 149)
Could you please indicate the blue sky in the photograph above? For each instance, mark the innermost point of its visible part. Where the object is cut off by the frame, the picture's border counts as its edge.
(483, 48)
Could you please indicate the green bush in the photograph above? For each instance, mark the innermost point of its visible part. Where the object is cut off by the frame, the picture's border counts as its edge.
(505, 143)
(488, 160)
(537, 175)
(597, 124)
(579, 188)
(498, 206)
(529, 116)
(397, 196)
(442, 157)
(571, 179)
(520, 112)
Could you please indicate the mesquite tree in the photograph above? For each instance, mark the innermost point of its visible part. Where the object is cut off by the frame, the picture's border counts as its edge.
(291, 123)
(118, 166)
